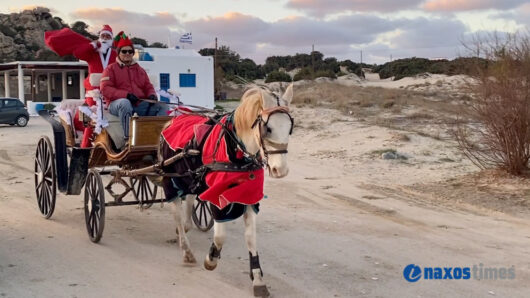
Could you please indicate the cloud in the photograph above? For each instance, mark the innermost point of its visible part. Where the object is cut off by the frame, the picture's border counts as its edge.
(463, 5)
(320, 8)
(231, 25)
(153, 27)
(237, 28)
(429, 33)
(522, 15)
(250, 36)
(342, 37)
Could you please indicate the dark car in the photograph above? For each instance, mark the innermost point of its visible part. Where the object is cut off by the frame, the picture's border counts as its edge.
(13, 111)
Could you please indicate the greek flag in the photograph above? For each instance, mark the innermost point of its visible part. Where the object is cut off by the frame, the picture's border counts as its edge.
(186, 38)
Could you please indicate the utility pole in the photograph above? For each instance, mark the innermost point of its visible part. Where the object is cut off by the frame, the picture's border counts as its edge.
(312, 62)
(361, 58)
(215, 76)
(390, 57)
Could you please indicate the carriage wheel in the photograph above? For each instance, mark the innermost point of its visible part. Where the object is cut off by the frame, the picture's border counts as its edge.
(94, 206)
(144, 190)
(202, 215)
(45, 180)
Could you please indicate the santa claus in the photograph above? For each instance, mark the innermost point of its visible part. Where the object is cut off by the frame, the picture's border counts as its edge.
(98, 54)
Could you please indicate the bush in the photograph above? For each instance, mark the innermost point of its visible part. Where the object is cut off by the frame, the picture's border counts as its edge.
(307, 74)
(278, 76)
(413, 66)
(501, 106)
(304, 74)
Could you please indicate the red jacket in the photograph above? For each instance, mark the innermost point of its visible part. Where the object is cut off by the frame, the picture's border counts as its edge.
(119, 79)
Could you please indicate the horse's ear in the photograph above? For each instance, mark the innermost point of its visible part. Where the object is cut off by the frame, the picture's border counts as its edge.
(288, 94)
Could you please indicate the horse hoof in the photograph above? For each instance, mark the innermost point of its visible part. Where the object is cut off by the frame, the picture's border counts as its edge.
(189, 259)
(261, 291)
(209, 266)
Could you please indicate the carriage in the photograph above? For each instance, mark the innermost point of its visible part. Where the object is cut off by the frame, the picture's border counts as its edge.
(131, 170)
(224, 161)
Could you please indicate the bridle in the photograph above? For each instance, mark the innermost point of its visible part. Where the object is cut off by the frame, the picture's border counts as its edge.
(263, 129)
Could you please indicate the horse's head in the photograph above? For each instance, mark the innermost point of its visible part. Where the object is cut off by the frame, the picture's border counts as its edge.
(267, 127)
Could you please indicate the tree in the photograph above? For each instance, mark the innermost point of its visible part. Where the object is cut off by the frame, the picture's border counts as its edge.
(278, 76)
(81, 28)
(140, 41)
(158, 45)
(500, 112)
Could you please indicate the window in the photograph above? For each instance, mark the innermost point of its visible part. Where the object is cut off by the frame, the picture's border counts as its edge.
(187, 80)
(10, 103)
(164, 85)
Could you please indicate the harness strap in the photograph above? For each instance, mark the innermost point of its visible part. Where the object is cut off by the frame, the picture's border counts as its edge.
(231, 167)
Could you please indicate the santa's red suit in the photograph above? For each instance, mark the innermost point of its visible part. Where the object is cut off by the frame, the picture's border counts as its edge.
(97, 54)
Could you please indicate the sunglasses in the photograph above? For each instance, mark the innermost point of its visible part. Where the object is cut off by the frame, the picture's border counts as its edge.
(127, 51)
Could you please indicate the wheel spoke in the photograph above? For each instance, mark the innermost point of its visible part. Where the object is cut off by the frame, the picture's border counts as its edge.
(39, 185)
(200, 213)
(44, 199)
(205, 214)
(149, 189)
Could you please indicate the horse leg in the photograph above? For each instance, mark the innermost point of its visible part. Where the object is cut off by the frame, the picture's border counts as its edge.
(184, 243)
(219, 236)
(256, 274)
(188, 209)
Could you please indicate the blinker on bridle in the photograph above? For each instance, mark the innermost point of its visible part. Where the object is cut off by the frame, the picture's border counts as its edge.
(263, 127)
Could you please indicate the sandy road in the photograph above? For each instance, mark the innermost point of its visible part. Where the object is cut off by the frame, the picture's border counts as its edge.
(322, 233)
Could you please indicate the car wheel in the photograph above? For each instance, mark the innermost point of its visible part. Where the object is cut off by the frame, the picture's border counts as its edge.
(22, 121)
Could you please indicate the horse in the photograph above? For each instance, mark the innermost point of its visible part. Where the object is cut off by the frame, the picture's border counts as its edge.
(254, 136)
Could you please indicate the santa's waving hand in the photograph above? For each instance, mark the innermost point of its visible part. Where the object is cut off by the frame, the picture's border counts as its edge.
(98, 54)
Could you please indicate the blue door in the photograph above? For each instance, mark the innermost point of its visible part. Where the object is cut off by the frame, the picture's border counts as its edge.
(164, 85)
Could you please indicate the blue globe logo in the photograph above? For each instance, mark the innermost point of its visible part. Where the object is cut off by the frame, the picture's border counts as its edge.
(412, 273)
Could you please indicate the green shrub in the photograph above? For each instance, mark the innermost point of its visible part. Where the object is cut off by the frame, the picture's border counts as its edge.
(278, 76)
(49, 106)
(304, 74)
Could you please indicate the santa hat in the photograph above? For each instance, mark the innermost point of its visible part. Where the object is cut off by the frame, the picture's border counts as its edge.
(121, 40)
(106, 29)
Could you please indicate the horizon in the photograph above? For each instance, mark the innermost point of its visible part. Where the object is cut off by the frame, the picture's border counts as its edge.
(381, 29)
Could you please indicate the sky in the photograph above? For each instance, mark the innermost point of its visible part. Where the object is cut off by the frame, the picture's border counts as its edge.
(380, 29)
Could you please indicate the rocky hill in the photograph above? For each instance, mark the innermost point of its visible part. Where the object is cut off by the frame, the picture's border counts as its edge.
(22, 35)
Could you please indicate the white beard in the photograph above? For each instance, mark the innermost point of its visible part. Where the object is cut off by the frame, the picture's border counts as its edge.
(105, 45)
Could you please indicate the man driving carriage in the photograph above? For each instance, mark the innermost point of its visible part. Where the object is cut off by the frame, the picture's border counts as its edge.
(125, 83)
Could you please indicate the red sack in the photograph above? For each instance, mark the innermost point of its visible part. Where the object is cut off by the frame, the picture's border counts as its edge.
(64, 41)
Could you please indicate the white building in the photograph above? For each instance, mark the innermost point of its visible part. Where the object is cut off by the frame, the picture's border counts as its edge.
(182, 70)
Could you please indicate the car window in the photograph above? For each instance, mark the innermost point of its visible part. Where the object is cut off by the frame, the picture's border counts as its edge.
(20, 104)
(10, 103)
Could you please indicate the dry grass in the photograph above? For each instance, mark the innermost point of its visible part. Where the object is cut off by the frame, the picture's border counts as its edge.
(362, 101)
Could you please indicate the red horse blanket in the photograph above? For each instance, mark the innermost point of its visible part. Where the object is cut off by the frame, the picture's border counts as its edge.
(224, 188)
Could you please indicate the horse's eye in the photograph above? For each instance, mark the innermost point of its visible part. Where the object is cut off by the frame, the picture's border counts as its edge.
(269, 130)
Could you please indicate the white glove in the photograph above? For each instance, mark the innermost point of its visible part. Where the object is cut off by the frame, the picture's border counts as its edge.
(96, 44)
